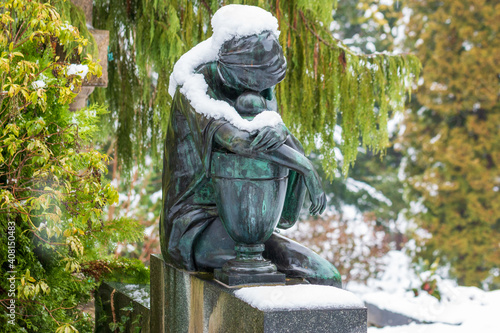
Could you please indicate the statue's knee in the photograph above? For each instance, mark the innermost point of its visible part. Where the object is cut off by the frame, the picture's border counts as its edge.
(324, 273)
(329, 278)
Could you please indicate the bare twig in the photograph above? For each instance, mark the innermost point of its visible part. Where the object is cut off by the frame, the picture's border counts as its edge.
(203, 2)
(113, 307)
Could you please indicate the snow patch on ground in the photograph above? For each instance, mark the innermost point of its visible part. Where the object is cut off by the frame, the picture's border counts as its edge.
(461, 309)
(298, 297)
(477, 311)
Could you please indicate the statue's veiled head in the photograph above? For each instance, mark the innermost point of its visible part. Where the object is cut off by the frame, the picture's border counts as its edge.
(254, 62)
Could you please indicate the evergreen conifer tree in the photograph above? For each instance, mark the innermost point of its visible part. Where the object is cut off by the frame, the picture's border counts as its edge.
(452, 138)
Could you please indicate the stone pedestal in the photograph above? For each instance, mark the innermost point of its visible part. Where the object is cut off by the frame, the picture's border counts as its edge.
(383, 317)
(185, 302)
(177, 301)
(234, 279)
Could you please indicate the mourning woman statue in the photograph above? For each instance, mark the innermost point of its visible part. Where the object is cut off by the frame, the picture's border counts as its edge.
(216, 87)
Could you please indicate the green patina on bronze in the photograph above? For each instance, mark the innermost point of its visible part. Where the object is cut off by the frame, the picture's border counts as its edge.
(250, 194)
(225, 188)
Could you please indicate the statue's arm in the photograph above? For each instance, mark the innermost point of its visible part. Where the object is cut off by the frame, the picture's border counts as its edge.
(240, 142)
(295, 191)
(234, 139)
(292, 159)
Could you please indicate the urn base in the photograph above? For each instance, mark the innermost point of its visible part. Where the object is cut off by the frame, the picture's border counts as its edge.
(237, 279)
(249, 267)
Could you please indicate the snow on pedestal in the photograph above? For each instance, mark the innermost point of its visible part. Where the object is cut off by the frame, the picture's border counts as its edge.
(298, 297)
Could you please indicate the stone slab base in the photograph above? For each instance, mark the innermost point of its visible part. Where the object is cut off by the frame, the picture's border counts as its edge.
(185, 302)
(382, 317)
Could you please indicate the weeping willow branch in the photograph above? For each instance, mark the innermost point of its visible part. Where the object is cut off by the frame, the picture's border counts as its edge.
(339, 43)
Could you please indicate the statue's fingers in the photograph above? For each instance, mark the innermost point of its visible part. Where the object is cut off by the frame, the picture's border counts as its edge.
(276, 140)
(259, 137)
(314, 207)
(320, 205)
(267, 140)
(275, 146)
(311, 208)
(315, 210)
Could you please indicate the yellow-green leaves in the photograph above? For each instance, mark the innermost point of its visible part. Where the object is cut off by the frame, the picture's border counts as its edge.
(75, 245)
(66, 328)
(34, 127)
(30, 288)
(13, 128)
(52, 188)
(26, 79)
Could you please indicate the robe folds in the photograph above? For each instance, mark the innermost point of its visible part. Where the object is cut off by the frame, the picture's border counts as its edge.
(188, 196)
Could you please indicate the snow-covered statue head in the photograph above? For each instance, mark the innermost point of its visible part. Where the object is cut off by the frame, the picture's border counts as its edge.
(250, 56)
(224, 124)
(245, 48)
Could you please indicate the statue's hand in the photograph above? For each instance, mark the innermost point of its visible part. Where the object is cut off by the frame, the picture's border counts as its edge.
(316, 193)
(270, 138)
(318, 204)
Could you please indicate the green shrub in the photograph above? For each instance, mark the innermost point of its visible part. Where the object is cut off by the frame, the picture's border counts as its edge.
(52, 190)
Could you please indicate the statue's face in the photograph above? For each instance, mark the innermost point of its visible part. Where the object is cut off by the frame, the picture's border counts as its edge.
(252, 63)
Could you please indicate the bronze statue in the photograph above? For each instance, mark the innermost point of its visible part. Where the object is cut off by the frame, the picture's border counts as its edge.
(192, 234)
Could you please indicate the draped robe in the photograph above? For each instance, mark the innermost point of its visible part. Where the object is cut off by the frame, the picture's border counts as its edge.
(188, 195)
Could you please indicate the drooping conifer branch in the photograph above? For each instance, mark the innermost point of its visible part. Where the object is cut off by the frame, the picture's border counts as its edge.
(324, 77)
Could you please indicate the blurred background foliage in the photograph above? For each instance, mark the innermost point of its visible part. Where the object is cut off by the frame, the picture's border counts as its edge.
(451, 142)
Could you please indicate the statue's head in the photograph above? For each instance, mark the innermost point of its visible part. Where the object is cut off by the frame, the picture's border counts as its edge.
(253, 62)
(249, 54)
